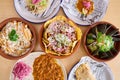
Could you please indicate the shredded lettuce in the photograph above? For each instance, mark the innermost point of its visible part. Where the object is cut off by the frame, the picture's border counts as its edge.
(43, 2)
(105, 42)
(102, 42)
(63, 39)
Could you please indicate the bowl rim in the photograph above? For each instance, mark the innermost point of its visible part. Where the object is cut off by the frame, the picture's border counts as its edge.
(52, 55)
(84, 41)
(33, 31)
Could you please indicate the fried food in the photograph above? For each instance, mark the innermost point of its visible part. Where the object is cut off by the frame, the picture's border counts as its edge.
(60, 36)
(83, 72)
(15, 38)
(47, 68)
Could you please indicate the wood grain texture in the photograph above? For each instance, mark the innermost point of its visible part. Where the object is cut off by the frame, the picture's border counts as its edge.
(7, 10)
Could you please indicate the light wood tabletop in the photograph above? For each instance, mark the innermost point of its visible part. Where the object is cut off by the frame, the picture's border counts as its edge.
(112, 15)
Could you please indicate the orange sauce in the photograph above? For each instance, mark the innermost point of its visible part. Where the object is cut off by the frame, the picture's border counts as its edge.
(46, 68)
(79, 6)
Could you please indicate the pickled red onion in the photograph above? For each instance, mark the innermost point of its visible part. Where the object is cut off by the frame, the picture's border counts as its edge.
(86, 4)
(35, 1)
(21, 70)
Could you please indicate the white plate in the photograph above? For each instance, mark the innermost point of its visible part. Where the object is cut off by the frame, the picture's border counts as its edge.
(99, 69)
(98, 13)
(29, 60)
(27, 15)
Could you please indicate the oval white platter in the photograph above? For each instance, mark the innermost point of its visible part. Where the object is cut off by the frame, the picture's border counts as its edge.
(29, 60)
(20, 6)
(100, 8)
(100, 70)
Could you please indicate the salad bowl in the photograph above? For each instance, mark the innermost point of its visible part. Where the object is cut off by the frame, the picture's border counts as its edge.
(102, 41)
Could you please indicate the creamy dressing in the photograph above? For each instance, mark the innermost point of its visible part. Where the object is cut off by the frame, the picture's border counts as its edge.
(19, 47)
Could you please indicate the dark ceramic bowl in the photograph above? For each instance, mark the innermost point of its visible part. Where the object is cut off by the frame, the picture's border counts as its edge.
(107, 29)
(33, 40)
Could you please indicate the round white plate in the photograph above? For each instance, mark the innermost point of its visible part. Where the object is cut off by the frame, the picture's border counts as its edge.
(99, 69)
(29, 60)
(72, 13)
(27, 15)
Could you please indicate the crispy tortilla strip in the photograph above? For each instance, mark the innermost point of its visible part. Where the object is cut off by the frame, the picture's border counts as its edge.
(1, 42)
(55, 53)
(73, 45)
(26, 32)
(45, 41)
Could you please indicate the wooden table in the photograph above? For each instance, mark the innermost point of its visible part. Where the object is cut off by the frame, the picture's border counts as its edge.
(7, 10)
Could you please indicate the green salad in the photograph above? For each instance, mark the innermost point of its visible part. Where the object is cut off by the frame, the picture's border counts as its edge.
(101, 41)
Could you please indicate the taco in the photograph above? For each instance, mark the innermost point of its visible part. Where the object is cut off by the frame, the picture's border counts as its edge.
(37, 6)
(85, 7)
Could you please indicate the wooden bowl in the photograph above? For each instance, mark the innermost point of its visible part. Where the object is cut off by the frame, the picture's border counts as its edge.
(33, 41)
(52, 55)
(116, 43)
